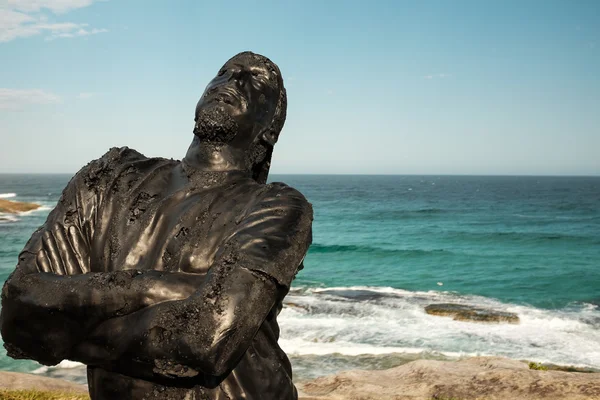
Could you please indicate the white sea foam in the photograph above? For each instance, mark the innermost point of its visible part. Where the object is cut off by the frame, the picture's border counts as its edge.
(4, 217)
(64, 364)
(301, 347)
(366, 320)
(9, 218)
(39, 209)
(7, 195)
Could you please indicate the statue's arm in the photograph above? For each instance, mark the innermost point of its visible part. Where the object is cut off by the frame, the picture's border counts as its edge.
(208, 332)
(44, 315)
(51, 299)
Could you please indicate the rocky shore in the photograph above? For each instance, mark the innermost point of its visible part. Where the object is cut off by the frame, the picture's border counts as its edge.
(461, 312)
(478, 378)
(20, 381)
(13, 207)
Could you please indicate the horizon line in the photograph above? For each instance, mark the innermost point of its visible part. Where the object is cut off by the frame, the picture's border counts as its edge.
(379, 174)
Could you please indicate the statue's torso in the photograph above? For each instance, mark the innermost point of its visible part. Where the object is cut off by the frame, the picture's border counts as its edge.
(152, 216)
(165, 222)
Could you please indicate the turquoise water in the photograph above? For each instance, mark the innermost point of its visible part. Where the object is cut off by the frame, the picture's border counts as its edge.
(387, 246)
(527, 240)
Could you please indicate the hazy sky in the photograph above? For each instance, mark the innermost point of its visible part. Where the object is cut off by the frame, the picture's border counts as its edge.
(419, 87)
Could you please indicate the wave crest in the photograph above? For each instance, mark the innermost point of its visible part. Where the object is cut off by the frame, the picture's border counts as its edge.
(381, 320)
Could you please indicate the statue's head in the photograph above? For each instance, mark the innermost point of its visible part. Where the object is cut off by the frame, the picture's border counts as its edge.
(244, 107)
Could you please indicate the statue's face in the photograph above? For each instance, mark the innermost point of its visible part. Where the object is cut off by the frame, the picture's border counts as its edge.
(238, 103)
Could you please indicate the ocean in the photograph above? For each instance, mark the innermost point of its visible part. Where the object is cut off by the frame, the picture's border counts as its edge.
(384, 247)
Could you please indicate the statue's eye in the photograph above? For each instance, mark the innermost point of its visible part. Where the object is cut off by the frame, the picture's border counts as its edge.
(255, 73)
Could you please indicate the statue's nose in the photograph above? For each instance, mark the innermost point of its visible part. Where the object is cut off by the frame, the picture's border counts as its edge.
(236, 71)
(239, 73)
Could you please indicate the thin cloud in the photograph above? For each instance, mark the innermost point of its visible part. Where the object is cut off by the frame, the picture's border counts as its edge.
(23, 18)
(437, 76)
(17, 99)
(86, 95)
(80, 32)
(56, 6)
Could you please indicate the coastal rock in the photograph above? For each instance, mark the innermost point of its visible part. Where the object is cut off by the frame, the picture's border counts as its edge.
(13, 207)
(489, 378)
(477, 378)
(298, 307)
(21, 381)
(461, 312)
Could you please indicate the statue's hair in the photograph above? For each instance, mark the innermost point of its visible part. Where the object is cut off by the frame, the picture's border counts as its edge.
(262, 150)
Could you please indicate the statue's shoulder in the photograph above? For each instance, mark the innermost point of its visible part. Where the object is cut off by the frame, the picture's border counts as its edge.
(109, 165)
(118, 156)
(283, 195)
(113, 164)
(112, 159)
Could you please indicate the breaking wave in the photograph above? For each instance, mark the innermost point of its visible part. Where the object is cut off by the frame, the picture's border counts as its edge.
(379, 320)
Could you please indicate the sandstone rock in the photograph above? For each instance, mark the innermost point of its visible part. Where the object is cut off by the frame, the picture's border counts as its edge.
(478, 378)
(12, 207)
(21, 381)
(461, 312)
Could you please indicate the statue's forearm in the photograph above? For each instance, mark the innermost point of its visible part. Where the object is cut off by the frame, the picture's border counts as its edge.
(98, 296)
(203, 334)
(58, 311)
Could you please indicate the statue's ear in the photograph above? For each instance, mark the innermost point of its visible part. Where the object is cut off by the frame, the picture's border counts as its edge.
(270, 137)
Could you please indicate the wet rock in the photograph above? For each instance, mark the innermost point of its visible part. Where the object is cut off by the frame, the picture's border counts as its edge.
(299, 307)
(568, 368)
(461, 312)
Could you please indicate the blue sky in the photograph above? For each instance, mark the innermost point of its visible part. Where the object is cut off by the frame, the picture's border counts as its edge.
(398, 87)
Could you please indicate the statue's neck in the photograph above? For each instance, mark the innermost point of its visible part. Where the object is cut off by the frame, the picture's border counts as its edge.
(214, 157)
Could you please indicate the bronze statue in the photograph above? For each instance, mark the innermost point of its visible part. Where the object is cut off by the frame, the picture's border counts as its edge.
(166, 277)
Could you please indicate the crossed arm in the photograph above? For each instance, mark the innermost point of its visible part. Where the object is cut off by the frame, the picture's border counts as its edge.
(52, 300)
(44, 314)
(166, 322)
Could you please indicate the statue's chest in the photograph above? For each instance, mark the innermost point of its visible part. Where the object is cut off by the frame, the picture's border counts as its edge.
(180, 232)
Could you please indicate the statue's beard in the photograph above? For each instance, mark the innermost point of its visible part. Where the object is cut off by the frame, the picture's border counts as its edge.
(215, 125)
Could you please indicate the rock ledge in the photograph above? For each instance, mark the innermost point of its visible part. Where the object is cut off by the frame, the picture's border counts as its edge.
(13, 207)
(478, 378)
(461, 312)
(21, 381)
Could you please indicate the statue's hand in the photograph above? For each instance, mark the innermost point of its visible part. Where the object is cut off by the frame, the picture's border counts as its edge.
(117, 345)
(169, 286)
(109, 340)
(33, 332)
